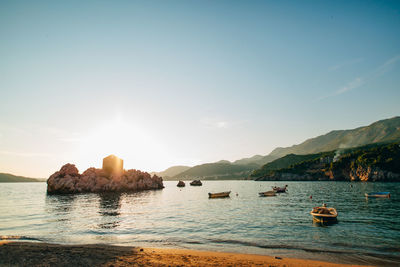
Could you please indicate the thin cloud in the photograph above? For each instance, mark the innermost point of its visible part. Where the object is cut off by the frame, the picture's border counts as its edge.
(345, 64)
(214, 123)
(360, 81)
(357, 82)
(24, 154)
(70, 140)
(387, 66)
(40, 130)
(222, 124)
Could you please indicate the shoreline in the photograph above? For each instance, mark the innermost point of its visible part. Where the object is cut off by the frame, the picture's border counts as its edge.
(14, 253)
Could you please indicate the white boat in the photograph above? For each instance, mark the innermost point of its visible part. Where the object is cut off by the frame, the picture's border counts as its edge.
(324, 214)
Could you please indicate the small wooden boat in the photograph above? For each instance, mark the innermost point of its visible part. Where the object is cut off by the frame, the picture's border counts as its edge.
(279, 189)
(324, 214)
(181, 184)
(196, 183)
(219, 195)
(378, 194)
(267, 194)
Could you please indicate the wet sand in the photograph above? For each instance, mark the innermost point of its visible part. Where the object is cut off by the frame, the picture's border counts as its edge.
(44, 254)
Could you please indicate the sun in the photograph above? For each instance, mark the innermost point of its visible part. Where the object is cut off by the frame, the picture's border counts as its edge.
(138, 148)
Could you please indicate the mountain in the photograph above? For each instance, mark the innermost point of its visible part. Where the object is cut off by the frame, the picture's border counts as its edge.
(171, 171)
(383, 131)
(257, 159)
(287, 161)
(374, 162)
(378, 132)
(9, 178)
(222, 169)
(217, 171)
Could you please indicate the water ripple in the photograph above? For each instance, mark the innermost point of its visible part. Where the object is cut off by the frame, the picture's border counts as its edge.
(187, 218)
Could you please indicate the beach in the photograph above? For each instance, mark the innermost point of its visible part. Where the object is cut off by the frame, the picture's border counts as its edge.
(46, 254)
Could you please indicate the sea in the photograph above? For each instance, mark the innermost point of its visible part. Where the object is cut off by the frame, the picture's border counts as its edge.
(367, 230)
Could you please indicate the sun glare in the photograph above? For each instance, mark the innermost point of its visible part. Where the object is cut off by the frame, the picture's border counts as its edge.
(132, 143)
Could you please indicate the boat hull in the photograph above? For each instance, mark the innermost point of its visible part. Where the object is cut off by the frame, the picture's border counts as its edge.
(329, 217)
(378, 195)
(219, 195)
(324, 220)
(267, 194)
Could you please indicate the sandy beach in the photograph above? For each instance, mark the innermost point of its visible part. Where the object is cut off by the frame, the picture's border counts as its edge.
(44, 254)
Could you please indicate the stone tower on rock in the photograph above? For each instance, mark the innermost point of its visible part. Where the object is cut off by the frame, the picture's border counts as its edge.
(113, 165)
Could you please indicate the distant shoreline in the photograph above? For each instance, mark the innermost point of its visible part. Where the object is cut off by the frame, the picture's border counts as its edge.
(43, 254)
(11, 178)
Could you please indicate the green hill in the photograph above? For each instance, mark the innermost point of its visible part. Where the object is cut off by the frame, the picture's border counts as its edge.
(287, 161)
(217, 171)
(220, 170)
(378, 132)
(374, 162)
(383, 131)
(171, 171)
(257, 159)
(9, 178)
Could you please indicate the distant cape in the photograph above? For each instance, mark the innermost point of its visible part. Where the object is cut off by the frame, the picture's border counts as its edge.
(10, 178)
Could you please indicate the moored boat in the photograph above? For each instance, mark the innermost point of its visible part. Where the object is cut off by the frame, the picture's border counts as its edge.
(324, 214)
(219, 195)
(378, 194)
(279, 189)
(196, 183)
(181, 184)
(267, 194)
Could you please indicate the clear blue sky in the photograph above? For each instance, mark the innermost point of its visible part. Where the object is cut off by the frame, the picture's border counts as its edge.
(162, 83)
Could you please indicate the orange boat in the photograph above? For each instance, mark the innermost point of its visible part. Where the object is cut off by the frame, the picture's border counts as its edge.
(267, 194)
(219, 195)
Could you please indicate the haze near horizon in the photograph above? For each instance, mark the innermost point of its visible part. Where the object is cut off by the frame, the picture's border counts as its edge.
(163, 83)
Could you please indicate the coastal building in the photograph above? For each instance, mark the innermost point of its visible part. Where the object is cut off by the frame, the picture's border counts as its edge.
(325, 160)
(113, 165)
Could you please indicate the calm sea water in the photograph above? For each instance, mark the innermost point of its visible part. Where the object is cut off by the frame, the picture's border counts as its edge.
(368, 230)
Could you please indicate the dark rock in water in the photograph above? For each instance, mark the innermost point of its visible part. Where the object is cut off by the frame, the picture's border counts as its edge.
(68, 180)
(196, 183)
(64, 180)
(181, 184)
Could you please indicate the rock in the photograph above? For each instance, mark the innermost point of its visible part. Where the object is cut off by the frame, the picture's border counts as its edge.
(64, 180)
(68, 180)
(374, 174)
(196, 183)
(181, 184)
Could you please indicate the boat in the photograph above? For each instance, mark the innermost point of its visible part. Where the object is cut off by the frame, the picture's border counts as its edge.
(324, 214)
(196, 183)
(219, 195)
(181, 184)
(378, 194)
(267, 194)
(279, 189)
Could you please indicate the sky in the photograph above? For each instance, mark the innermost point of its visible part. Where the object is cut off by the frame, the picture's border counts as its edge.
(163, 83)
